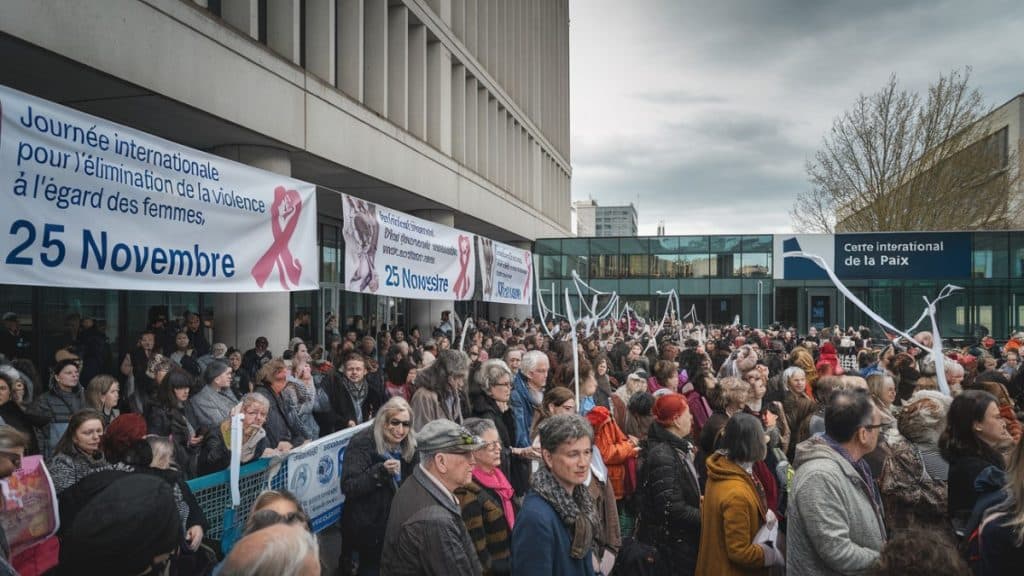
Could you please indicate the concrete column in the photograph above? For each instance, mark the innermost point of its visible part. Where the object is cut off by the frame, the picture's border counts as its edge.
(482, 138)
(375, 56)
(283, 29)
(472, 103)
(458, 21)
(398, 66)
(242, 14)
(444, 85)
(457, 111)
(240, 318)
(418, 81)
(350, 47)
(426, 314)
(321, 39)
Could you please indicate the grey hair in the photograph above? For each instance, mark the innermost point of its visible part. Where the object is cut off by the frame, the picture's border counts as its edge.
(284, 556)
(163, 452)
(477, 426)
(255, 398)
(952, 367)
(558, 430)
(531, 359)
(923, 417)
(490, 372)
(789, 373)
(392, 406)
(11, 437)
(448, 363)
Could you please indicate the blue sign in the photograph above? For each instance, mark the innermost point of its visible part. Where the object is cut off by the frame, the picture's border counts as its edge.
(903, 255)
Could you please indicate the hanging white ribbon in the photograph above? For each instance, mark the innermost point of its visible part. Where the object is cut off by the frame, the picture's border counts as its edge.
(236, 458)
(575, 349)
(936, 349)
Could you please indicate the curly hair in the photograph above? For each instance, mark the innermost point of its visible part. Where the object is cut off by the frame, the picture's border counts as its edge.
(448, 363)
(905, 555)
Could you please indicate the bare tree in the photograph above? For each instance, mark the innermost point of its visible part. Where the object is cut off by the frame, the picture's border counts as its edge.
(897, 161)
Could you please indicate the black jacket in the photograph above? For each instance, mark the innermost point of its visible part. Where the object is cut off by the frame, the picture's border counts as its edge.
(14, 415)
(516, 469)
(669, 501)
(368, 490)
(343, 410)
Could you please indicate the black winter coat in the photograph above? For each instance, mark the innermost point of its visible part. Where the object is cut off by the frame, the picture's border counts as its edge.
(669, 502)
(343, 410)
(368, 490)
(282, 424)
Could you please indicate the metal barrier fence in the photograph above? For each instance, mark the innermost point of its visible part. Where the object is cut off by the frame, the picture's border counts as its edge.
(213, 491)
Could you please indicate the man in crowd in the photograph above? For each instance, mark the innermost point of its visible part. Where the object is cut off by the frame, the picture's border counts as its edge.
(278, 550)
(425, 532)
(194, 328)
(13, 342)
(835, 511)
(255, 358)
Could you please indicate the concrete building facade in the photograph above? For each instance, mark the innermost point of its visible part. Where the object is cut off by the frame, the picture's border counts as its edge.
(595, 220)
(456, 111)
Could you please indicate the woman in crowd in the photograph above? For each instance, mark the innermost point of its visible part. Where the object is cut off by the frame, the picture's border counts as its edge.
(635, 383)
(241, 384)
(882, 389)
(701, 394)
(439, 389)
(57, 404)
(670, 495)
(733, 394)
(639, 418)
(166, 416)
(215, 454)
(995, 383)
(376, 463)
(401, 373)
(214, 401)
(913, 481)
(13, 415)
(193, 521)
(487, 507)
(183, 355)
(103, 395)
(1002, 532)
(665, 377)
(78, 453)
(734, 505)
(493, 403)
(557, 400)
(275, 507)
(618, 451)
(603, 395)
(554, 530)
(282, 427)
(797, 405)
(300, 394)
(801, 358)
(974, 430)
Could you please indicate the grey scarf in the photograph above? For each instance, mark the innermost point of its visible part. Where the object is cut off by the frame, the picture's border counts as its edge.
(576, 511)
(357, 391)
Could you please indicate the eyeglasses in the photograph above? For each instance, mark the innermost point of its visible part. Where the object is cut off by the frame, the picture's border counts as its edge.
(504, 384)
(14, 458)
(402, 423)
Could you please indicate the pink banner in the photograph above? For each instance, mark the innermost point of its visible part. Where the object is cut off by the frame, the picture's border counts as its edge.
(30, 505)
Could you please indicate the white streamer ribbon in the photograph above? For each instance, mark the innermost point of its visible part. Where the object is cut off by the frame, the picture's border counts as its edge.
(236, 458)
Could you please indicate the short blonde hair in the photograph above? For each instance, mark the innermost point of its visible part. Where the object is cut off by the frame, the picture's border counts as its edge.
(733, 391)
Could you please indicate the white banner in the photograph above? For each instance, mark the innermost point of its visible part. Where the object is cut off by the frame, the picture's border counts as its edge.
(394, 254)
(314, 476)
(506, 272)
(88, 203)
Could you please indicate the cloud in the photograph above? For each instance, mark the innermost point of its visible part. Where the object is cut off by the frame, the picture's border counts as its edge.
(708, 111)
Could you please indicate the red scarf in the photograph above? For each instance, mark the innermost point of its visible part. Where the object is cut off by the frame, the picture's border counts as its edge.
(496, 481)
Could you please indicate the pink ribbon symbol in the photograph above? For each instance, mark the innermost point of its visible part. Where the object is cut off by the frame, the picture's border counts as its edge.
(286, 208)
(462, 282)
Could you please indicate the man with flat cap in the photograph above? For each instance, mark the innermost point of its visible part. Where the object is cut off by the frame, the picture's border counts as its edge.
(425, 533)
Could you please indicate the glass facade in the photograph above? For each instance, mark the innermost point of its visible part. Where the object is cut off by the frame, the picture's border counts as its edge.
(724, 276)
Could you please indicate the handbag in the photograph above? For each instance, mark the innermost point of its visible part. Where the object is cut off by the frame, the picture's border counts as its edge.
(635, 558)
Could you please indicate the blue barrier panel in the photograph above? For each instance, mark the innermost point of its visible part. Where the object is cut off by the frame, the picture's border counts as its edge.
(315, 480)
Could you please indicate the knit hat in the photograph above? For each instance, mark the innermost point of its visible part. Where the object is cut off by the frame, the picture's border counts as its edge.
(123, 527)
(668, 407)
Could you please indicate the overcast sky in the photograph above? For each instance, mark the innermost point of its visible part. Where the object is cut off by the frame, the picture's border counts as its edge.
(707, 111)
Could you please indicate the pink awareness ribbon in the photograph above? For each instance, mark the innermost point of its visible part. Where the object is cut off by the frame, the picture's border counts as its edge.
(462, 282)
(289, 204)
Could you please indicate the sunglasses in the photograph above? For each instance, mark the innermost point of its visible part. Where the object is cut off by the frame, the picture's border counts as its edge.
(403, 423)
(14, 458)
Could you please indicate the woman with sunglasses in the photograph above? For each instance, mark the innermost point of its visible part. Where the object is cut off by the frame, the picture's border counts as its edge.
(376, 463)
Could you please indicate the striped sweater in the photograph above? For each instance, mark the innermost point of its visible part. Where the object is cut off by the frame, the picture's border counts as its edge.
(485, 521)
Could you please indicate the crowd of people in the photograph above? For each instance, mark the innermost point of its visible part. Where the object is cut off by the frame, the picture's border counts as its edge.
(505, 448)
